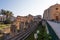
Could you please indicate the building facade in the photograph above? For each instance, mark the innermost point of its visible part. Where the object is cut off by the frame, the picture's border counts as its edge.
(21, 22)
(52, 13)
(2, 17)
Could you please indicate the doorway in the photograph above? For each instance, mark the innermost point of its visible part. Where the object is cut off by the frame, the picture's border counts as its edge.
(57, 18)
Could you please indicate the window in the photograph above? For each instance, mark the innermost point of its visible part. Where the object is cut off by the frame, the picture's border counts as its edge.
(56, 8)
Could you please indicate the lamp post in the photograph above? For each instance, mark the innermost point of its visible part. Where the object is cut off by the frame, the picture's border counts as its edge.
(37, 31)
(35, 36)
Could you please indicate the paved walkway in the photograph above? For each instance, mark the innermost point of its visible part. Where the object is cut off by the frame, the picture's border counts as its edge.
(56, 27)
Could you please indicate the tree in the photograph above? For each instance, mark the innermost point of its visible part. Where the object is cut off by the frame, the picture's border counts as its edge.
(7, 21)
(7, 13)
(10, 14)
(3, 12)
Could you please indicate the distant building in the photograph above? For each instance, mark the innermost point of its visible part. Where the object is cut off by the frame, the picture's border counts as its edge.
(2, 17)
(37, 18)
(52, 13)
(30, 18)
(12, 18)
(21, 22)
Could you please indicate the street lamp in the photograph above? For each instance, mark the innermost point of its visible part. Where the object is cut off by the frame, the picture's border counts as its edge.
(37, 31)
(35, 36)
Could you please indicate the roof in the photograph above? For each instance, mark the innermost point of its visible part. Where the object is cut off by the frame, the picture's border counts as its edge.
(56, 27)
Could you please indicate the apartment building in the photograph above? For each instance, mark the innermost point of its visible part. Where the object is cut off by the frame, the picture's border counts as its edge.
(52, 13)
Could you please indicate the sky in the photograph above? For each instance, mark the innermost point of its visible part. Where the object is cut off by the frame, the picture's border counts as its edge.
(25, 7)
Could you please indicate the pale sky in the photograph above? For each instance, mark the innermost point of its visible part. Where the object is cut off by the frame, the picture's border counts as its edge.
(25, 7)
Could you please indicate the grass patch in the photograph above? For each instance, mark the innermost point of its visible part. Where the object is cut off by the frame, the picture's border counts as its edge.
(4, 26)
